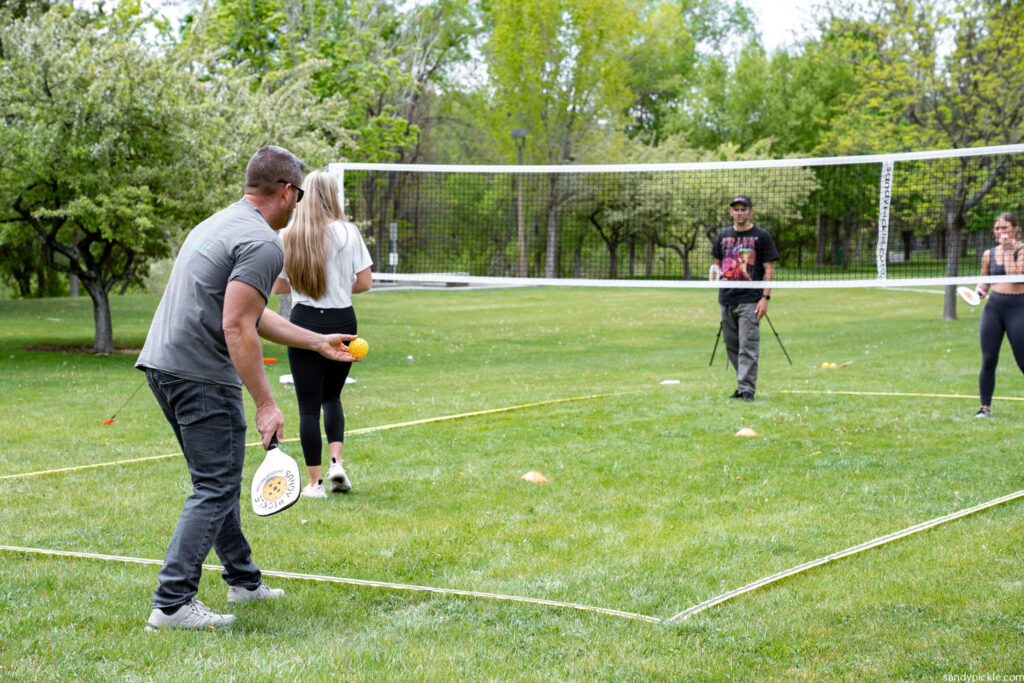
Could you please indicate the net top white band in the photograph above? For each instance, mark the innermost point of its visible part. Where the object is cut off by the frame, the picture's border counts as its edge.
(340, 167)
(461, 278)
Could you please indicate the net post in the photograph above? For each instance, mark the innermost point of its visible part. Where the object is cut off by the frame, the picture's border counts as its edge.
(884, 204)
(338, 170)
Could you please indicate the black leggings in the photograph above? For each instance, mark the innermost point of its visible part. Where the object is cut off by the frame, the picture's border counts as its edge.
(1003, 314)
(318, 380)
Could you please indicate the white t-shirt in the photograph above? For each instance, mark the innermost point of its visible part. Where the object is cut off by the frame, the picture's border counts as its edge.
(346, 255)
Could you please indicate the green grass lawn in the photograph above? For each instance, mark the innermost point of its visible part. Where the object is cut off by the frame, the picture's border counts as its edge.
(652, 506)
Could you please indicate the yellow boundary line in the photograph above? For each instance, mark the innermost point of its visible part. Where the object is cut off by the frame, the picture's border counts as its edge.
(893, 393)
(881, 540)
(365, 430)
(355, 582)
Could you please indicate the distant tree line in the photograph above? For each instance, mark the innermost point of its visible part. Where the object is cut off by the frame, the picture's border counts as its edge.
(120, 130)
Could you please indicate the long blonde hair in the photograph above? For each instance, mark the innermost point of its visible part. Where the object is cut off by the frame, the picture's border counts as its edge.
(307, 240)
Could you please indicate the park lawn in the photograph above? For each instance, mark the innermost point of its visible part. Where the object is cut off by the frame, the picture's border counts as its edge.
(652, 505)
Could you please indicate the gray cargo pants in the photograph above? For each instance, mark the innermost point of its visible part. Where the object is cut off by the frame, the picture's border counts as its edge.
(742, 333)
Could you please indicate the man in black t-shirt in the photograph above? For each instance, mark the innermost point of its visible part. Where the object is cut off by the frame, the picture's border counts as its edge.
(744, 252)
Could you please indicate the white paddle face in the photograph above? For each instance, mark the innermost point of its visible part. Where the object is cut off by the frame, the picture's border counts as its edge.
(969, 295)
(275, 486)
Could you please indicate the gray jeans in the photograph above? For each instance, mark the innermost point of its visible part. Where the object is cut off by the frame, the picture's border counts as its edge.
(742, 333)
(209, 421)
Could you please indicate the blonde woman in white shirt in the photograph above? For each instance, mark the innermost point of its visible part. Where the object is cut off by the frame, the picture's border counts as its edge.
(325, 263)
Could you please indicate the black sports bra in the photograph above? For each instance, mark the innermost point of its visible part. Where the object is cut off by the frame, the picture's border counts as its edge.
(995, 268)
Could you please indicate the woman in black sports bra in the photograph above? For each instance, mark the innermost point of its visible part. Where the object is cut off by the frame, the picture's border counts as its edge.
(1004, 313)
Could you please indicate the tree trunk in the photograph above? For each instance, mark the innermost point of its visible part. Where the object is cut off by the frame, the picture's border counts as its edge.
(820, 252)
(834, 234)
(632, 255)
(103, 342)
(955, 222)
(552, 244)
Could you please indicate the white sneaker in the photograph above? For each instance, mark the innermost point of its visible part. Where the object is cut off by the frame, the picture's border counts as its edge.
(260, 592)
(314, 491)
(194, 615)
(338, 478)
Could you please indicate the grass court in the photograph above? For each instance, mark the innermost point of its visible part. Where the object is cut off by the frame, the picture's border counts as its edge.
(653, 505)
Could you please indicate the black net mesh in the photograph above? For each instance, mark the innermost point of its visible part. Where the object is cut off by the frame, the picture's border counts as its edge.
(658, 223)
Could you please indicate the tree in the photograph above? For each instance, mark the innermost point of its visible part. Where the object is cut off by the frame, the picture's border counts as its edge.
(24, 266)
(111, 150)
(555, 67)
(371, 54)
(92, 157)
(935, 75)
(786, 99)
(695, 216)
(666, 53)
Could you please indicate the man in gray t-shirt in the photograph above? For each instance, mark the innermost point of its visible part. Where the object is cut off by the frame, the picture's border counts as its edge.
(235, 244)
(202, 348)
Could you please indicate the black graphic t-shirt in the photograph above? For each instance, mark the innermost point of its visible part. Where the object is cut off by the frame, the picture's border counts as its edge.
(743, 255)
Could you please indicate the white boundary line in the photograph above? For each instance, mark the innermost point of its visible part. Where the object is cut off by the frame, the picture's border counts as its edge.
(354, 582)
(681, 616)
(881, 540)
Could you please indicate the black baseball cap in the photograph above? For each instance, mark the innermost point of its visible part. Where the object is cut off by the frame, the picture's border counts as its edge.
(742, 199)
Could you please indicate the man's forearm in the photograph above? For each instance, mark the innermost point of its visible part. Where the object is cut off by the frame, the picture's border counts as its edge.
(276, 329)
(769, 275)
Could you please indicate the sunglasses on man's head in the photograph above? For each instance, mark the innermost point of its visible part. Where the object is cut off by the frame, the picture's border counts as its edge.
(297, 189)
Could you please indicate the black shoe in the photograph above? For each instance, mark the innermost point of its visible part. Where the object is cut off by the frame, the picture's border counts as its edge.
(748, 397)
(736, 394)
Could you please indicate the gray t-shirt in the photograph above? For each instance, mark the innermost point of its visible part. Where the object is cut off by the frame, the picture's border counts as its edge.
(187, 337)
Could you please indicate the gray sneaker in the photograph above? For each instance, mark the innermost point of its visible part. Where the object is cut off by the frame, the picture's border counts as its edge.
(260, 592)
(194, 615)
(338, 478)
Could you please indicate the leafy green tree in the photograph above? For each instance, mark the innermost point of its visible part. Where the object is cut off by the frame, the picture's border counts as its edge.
(934, 75)
(385, 60)
(689, 220)
(372, 54)
(92, 160)
(556, 68)
(665, 55)
(111, 150)
(788, 99)
(23, 266)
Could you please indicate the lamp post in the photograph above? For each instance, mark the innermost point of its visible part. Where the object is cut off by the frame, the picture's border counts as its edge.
(519, 135)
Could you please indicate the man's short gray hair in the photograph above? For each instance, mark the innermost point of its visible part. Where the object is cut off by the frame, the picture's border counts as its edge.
(270, 165)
